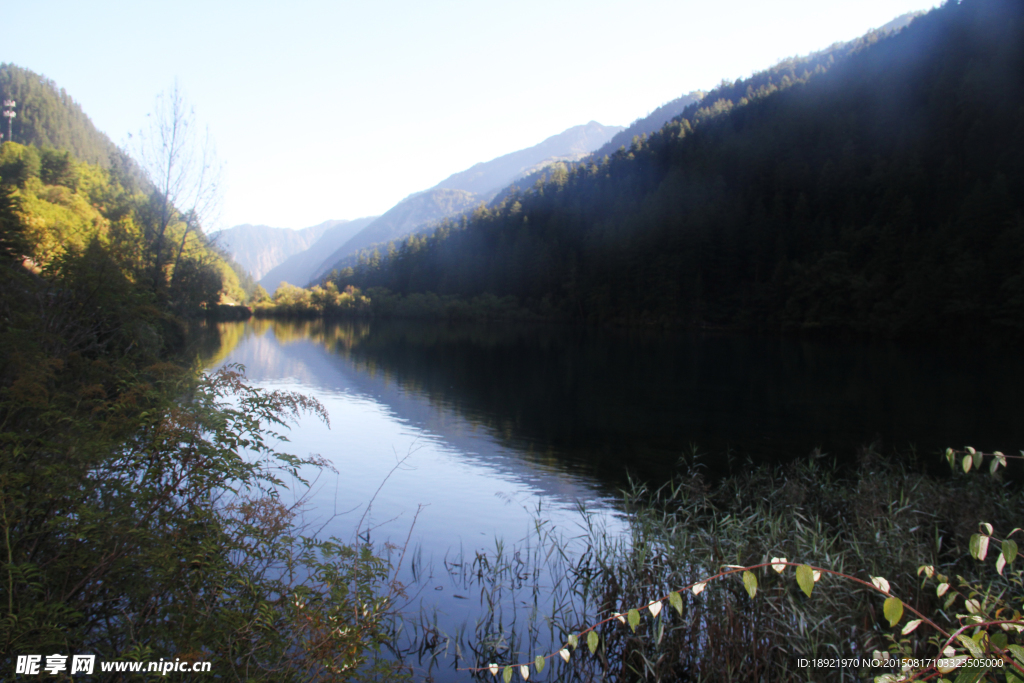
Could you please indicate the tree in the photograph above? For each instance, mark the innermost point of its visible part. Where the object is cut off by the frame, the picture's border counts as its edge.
(182, 167)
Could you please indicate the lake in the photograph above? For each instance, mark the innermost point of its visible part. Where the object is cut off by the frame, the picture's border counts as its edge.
(477, 431)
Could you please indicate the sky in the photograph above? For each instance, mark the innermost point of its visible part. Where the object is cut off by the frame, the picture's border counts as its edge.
(333, 109)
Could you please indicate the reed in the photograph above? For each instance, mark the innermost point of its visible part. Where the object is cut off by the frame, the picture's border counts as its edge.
(882, 517)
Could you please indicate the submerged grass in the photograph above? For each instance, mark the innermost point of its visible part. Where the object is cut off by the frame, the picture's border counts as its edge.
(883, 517)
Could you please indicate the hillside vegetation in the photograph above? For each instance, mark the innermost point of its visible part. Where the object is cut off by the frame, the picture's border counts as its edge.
(876, 187)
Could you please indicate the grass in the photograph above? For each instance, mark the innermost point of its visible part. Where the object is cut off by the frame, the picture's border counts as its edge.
(881, 517)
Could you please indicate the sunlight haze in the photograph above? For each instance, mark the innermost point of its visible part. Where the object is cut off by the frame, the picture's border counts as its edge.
(326, 110)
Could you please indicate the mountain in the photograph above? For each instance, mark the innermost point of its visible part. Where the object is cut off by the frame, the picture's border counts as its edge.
(298, 269)
(48, 118)
(412, 213)
(259, 248)
(569, 145)
(462, 191)
(874, 187)
(650, 123)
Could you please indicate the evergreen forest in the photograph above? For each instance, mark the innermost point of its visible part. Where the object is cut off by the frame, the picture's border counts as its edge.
(874, 187)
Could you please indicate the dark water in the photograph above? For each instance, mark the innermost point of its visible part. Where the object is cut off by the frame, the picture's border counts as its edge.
(496, 426)
(601, 403)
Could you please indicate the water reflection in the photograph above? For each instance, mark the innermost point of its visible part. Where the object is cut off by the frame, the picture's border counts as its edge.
(491, 423)
(598, 404)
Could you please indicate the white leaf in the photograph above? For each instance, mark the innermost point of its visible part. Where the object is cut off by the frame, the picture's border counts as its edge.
(778, 564)
(655, 606)
(983, 547)
(1000, 564)
(698, 587)
(949, 651)
(911, 625)
(493, 668)
(815, 574)
(941, 590)
(973, 606)
(951, 663)
(564, 654)
(987, 527)
(524, 671)
(880, 583)
(621, 618)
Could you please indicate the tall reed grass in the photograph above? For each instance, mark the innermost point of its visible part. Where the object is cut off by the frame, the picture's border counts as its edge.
(881, 517)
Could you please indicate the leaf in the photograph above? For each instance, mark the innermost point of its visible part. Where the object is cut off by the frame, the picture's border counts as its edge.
(655, 607)
(750, 583)
(892, 608)
(778, 564)
(911, 626)
(987, 527)
(941, 590)
(620, 617)
(927, 570)
(1018, 652)
(1000, 564)
(574, 641)
(993, 466)
(1009, 550)
(816, 575)
(493, 668)
(805, 579)
(592, 641)
(971, 646)
(506, 675)
(948, 663)
(524, 671)
(564, 654)
(968, 461)
(983, 547)
(634, 619)
(676, 601)
(698, 587)
(978, 457)
(538, 662)
(880, 583)
(973, 606)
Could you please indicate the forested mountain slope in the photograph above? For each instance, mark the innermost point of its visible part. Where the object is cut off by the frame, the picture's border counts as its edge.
(48, 117)
(490, 176)
(651, 123)
(878, 187)
(464, 190)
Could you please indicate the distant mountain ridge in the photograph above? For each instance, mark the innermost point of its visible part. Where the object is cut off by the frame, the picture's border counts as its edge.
(467, 189)
(259, 248)
(569, 145)
(298, 269)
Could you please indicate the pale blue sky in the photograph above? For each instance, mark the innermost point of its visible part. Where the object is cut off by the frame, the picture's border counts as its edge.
(339, 109)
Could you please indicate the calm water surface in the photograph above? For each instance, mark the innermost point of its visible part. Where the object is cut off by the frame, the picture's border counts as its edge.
(489, 423)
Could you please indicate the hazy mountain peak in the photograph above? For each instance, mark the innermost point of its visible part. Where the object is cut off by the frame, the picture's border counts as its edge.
(571, 144)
